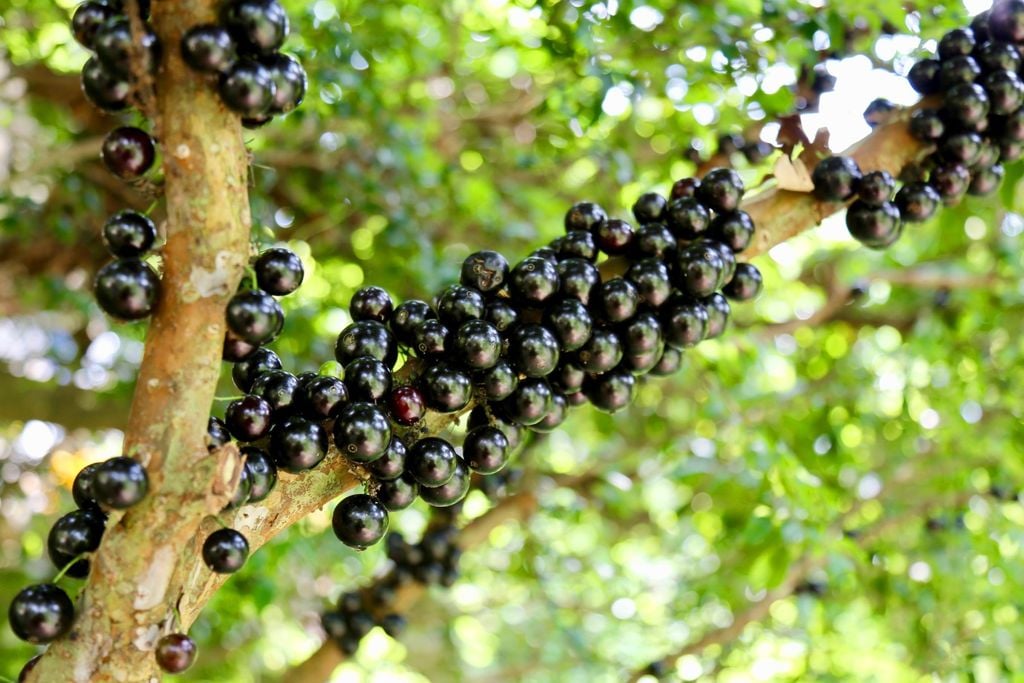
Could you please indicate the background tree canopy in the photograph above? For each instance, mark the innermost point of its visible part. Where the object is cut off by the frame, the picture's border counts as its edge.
(852, 448)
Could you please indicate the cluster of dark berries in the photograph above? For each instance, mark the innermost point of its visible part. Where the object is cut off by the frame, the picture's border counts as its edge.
(42, 613)
(127, 288)
(434, 560)
(108, 76)
(254, 317)
(874, 219)
(254, 78)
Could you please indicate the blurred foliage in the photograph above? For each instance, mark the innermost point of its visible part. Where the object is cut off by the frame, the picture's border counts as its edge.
(435, 128)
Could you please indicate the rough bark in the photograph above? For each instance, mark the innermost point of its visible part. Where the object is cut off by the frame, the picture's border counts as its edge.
(133, 587)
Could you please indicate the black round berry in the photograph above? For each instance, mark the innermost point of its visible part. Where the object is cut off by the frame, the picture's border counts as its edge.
(430, 338)
(721, 189)
(533, 281)
(407, 405)
(445, 388)
(699, 270)
(225, 551)
(259, 26)
(209, 48)
(641, 335)
(529, 403)
(651, 279)
(687, 218)
(497, 382)
(360, 520)
(41, 614)
(407, 317)
(927, 125)
(391, 465)
(322, 397)
(967, 105)
(998, 56)
(836, 179)
(82, 490)
(502, 314)
(248, 88)
(649, 208)
(431, 461)
(556, 414)
(486, 450)
(279, 389)
(73, 534)
(128, 152)
(451, 492)
(366, 338)
(175, 653)
(653, 240)
(602, 352)
(669, 364)
(1005, 91)
(127, 289)
(87, 20)
(477, 345)
(745, 284)
(718, 309)
(458, 304)
(958, 71)
(876, 187)
(959, 41)
(533, 350)
(484, 271)
(616, 300)
(924, 76)
(568, 377)
(289, 82)
(255, 317)
(964, 148)
(576, 244)
(279, 271)
(114, 46)
(297, 444)
(584, 216)
(362, 432)
(248, 418)
(684, 323)
(613, 236)
(120, 483)
(735, 230)
(106, 90)
(367, 379)
(1006, 21)
(262, 473)
(398, 494)
(243, 490)
(986, 180)
(684, 187)
(578, 279)
(129, 234)
(611, 391)
(917, 202)
(876, 227)
(245, 371)
(479, 417)
(570, 322)
(371, 303)
(950, 181)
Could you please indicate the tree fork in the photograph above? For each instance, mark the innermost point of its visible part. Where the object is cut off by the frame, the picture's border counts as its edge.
(138, 572)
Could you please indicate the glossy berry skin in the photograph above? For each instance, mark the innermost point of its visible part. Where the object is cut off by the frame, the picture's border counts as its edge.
(1005, 91)
(243, 490)
(698, 270)
(486, 450)
(876, 188)
(247, 88)
(875, 227)
(407, 317)
(114, 47)
(950, 181)
(967, 105)
(391, 465)
(127, 289)
(578, 279)
(478, 417)
(484, 271)
(406, 405)
(924, 76)
(917, 202)
(556, 414)
(430, 338)
(735, 230)
(255, 317)
(529, 403)
(297, 444)
(128, 152)
(687, 218)
(279, 271)
(367, 379)
(450, 493)
(106, 90)
(290, 82)
(445, 388)
(371, 303)
(927, 125)
(366, 338)
(612, 391)
(279, 389)
(477, 345)
(245, 371)
(545, 253)
(360, 521)
(725, 254)
(248, 418)
(669, 364)
(641, 335)
(431, 461)
(533, 350)
(41, 614)
(258, 26)
(75, 533)
(81, 489)
(615, 300)
(684, 187)
(497, 382)
(567, 378)
(836, 179)
(129, 234)
(362, 432)
(209, 49)
(322, 398)
(998, 56)
(576, 244)
(986, 180)
(964, 148)
(684, 323)
(652, 281)
(458, 304)
(653, 240)
(87, 20)
(570, 322)
(718, 309)
(120, 483)
(533, 281)
(959, 41)
(602, 352)
(225, 551)
(649, 208)
(398, 494)
(584, 216)
(721, 189)
(175, 653)
(745, 285)
(878, 111)
(1006, 21)
(958, 71)
(262, 473)
(614, 236)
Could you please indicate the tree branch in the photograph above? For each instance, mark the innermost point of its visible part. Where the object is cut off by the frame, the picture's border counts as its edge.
(137, 574)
